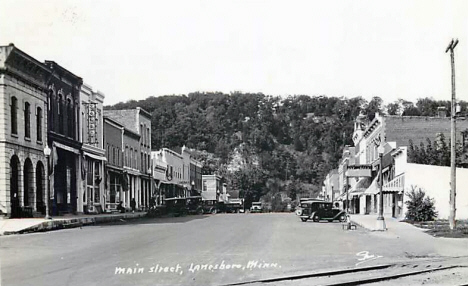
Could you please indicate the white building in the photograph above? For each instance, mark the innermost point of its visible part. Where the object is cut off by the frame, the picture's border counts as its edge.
(212, 188)
(91, 195)
(433, 180)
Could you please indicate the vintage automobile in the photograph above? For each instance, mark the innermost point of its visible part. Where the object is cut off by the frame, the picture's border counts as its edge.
(256, 207)
(194, 205)
(210, 207)
(317, 211)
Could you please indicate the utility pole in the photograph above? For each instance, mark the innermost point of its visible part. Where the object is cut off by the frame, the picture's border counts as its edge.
(453, 174)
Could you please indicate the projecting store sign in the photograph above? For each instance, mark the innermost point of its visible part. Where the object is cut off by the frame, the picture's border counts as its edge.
(358, 172)
(92, 124)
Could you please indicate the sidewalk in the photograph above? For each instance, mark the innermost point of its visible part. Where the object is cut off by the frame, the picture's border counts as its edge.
(25, 225)
(396, 229)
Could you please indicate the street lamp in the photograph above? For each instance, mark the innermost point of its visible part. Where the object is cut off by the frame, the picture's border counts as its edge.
(47, 152)
(380, 219)
(192, 191)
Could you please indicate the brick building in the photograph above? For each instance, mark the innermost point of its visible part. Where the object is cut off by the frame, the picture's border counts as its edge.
(114, 180)
(136, 152)
(23, 133)
(63, 138)
(91, 196)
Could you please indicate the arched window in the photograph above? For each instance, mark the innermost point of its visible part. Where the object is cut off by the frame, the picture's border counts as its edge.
(69, 118)
(125, 159)
(130, 164)
(39, 124)
(13, 113)
(136, 159)
(148, 137)
(27, 120)
(142, 136)
(60, 113)
(142, 165)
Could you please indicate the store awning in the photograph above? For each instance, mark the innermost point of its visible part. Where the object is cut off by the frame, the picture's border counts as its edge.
(373, 188)
(341, 197)
(174, 199)
(66, 148)
(96, 157)
(360, 187)
(356, 194)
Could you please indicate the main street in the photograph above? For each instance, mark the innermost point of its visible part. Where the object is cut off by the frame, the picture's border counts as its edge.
(195, 250)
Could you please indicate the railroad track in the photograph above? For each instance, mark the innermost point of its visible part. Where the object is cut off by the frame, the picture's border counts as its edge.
(365, 275)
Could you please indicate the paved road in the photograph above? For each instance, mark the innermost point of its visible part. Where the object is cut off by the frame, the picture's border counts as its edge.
(194, 250)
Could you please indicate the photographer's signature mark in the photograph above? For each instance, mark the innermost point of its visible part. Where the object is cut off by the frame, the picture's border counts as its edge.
(366, 257)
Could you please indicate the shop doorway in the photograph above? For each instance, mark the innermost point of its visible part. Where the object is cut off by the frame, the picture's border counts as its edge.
(40, 183)
(14, 183)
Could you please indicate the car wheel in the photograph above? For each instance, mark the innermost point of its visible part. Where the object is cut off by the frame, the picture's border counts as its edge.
(303, 219)
(342, 218)
(316, 218)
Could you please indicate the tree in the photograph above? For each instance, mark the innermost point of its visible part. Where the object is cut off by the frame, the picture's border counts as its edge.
(437, 153)
(374, 106)
(300, 136)
(420, 207)
(393, 108)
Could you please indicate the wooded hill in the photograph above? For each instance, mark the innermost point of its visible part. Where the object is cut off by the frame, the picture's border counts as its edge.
(262, 144)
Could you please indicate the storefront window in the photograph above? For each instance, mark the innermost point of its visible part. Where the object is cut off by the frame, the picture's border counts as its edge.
(89, 181)
(97, 179)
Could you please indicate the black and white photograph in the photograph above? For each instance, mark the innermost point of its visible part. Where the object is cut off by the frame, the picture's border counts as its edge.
(233, 142)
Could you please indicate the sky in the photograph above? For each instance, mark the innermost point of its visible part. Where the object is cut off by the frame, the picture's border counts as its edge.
(136, 49)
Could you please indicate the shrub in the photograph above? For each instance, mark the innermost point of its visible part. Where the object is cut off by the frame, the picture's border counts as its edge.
(420, 207)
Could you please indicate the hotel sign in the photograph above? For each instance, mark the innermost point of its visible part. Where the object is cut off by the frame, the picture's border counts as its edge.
(358, 172)
(92, 124)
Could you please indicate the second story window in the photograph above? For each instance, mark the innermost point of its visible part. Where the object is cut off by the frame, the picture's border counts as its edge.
(13, 113)
(69, 118)
(148, 137)
(130, 164)
(60, 113)
(27, 120)
(142, 136)
(142, 166)
(39, 124)
(126, 156)
(136, 159)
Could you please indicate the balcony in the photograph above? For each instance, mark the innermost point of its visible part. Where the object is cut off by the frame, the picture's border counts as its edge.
(395, 185)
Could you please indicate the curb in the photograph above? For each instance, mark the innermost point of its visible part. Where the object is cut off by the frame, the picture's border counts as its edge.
(72, 223)
(366, 227)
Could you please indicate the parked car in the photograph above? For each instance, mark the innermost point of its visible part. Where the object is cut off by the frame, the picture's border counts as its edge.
(320, 211)
(305, 202)
(256, 207)
(210, 207)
